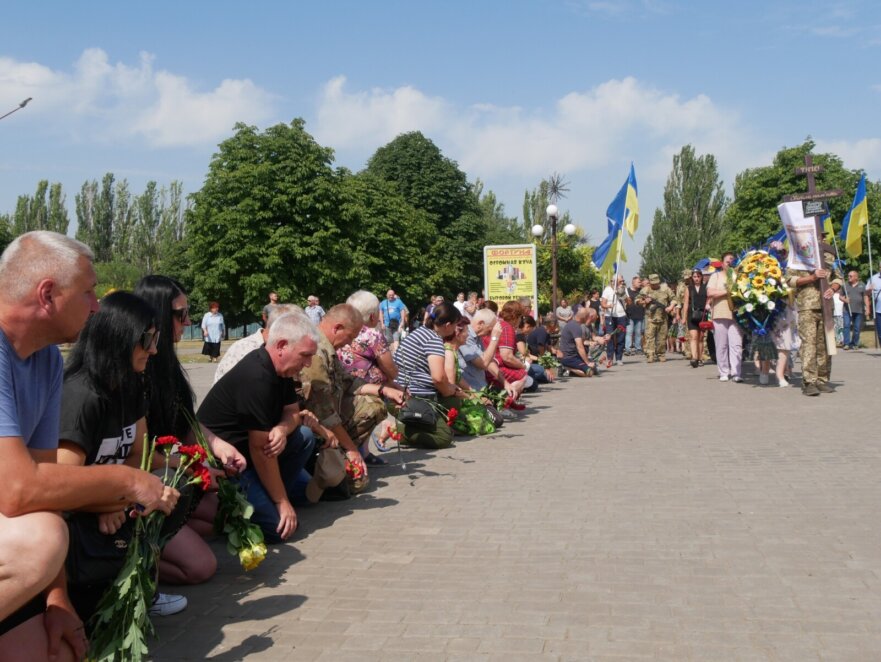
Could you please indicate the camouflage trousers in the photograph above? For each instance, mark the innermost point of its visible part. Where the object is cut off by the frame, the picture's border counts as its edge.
(655, 338)
(369, 411)
(815, 362)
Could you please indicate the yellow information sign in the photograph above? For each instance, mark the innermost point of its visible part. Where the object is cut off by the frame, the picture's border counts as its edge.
(509, 273)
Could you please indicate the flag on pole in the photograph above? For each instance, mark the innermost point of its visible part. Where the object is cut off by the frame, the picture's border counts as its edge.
(606, 254)
(828, 230)
(855, 220)
(624, 210)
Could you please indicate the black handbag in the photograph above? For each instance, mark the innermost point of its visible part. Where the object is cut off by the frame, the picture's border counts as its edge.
(95, 558)
(419, 412)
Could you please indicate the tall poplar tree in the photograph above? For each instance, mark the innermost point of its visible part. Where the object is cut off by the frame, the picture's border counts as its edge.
(691, 224)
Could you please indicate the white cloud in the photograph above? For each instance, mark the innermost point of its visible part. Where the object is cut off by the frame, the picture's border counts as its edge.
(374, 117)
(863, 154)
(618, 119)
(104, 101)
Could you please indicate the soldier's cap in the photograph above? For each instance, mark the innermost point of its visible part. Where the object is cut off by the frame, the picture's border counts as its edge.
(330, 471)
(686, 273)
(654, 279)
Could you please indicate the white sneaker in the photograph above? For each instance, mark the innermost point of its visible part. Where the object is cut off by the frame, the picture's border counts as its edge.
(763, 379)
(783, 383)
(166, 604)
(736, 379)
(619, 362)
(723, 378)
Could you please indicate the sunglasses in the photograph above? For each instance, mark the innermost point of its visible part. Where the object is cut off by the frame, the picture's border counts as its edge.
(182, 314)
(149, 340)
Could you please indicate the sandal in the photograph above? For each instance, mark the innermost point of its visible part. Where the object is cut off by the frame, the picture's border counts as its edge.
(374, 461)
(382, 444)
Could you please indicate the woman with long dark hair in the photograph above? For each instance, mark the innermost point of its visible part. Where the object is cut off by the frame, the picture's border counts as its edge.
(420, 361)
(694, 310)
(103, 422)
(187, 559)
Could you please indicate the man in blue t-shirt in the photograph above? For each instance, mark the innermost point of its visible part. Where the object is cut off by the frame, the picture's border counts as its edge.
(394, 318)
(47, 292)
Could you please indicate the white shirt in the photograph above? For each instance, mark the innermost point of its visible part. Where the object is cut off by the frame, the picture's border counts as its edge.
(837, 306)
(875, 284)
(461, 306)
(237, 351)
(609, 297)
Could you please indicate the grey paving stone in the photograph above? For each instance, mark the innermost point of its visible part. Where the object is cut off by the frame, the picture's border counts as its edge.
(653, 513)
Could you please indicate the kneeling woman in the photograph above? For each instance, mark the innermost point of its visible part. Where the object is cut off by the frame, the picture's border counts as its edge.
(420, 361)
(103, 408)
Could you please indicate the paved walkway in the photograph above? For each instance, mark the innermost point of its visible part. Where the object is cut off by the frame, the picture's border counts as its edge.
(654, 513)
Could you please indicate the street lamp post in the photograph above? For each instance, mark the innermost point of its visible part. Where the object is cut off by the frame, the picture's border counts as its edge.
(17, 108)
(538, 230)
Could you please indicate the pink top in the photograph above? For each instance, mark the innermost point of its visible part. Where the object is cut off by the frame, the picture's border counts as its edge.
(360, 357)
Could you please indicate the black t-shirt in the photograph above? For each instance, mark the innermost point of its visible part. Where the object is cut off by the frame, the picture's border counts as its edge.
(104, 429)
(634, 310)
(251, 396)
(539, 336)
(570, 332)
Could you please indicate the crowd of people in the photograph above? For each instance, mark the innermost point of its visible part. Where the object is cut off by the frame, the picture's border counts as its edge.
(300, 411)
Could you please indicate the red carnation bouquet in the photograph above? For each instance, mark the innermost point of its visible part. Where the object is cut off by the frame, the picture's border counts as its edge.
(121, 621)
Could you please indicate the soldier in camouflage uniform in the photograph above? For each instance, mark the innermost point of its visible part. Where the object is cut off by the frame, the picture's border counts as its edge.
(346, 405)
(816, 363)
(658, 300)
(681, 287)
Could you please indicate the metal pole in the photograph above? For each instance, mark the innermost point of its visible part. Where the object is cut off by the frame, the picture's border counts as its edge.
(871, 272)
(554, 264)
(17, 108)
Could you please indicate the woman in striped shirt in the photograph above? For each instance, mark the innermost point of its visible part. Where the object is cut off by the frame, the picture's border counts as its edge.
(420, 361)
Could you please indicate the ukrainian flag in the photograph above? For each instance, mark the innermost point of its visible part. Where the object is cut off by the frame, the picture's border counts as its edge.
(624, 210)
(855, 220)
(605, 255)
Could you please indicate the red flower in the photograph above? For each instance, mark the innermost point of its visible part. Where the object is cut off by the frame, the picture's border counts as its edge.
(167, 440)
(194, 451)
(396, 436)
(451, 415)
(202, 476)
(353, 470)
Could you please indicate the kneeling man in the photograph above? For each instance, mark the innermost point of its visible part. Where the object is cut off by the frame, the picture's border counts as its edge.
(255, 407)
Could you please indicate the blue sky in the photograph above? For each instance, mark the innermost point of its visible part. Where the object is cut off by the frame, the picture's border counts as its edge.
(512, 90)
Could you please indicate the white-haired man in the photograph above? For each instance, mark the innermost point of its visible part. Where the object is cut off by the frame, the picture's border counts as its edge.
(241, 348)
(255, 407)
(47, 292)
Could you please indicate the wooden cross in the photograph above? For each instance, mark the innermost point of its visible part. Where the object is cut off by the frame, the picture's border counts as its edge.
(814, 203)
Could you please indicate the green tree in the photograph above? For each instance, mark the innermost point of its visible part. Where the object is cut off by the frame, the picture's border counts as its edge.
(434, 184)
(21, 219)
(85, 202)
(171, 241)
(691, 225)
(58, 220)
(5, 231)
(267, 218)
(388, 251)
(38, 209)
(123, 223)
(102, 221)
(499, 228)
(146, 209)
(753, 217)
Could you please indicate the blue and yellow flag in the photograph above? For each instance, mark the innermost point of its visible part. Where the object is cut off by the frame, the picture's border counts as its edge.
(828, 230)
(855, 220)
(624, 210)
(606, 254)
